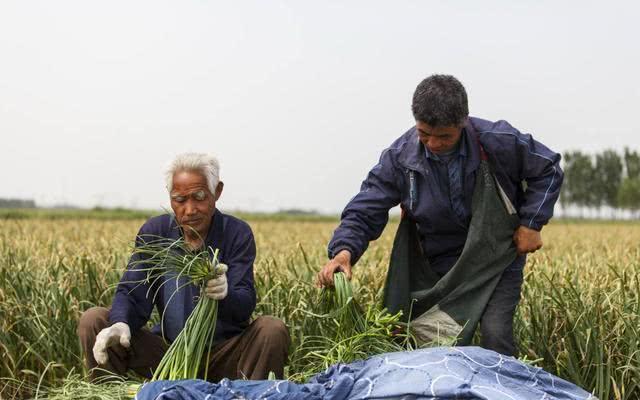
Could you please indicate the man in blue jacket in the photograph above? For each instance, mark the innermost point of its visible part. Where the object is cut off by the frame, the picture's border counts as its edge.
(431, 172)
(117, 340)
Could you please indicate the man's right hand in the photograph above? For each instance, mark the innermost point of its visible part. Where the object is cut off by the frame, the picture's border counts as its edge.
(341, 262)
(116, 333)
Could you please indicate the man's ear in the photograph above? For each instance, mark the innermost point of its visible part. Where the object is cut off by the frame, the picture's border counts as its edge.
(219, 190)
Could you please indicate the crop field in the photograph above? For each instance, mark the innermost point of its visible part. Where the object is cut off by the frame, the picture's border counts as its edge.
(579, 317)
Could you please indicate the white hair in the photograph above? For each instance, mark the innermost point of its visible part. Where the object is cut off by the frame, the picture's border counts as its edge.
(203, 163)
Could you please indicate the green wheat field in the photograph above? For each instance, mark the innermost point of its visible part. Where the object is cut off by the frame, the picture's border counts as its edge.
(579, 317)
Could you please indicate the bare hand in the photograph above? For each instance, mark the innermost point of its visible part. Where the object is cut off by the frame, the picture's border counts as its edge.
(341, 262)
(527, 240)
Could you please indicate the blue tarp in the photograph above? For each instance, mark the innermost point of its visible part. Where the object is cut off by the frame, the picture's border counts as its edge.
(435, 373)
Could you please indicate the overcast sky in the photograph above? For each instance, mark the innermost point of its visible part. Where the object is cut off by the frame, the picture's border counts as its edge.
(296, 98)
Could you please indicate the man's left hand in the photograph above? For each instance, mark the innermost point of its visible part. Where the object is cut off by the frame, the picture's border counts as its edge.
(216, 288)
(527, 240)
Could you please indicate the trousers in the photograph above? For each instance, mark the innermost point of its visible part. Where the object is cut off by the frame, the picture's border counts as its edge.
(261, 348)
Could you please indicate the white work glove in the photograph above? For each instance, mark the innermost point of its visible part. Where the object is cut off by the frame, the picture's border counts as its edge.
(216, 288)
(116, 333)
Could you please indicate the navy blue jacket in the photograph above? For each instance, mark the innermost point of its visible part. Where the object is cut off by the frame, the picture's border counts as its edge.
(515, 157)
(134, 302)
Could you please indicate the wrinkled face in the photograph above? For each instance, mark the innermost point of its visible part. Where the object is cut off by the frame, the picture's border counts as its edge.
(438, 139)
(193, 203)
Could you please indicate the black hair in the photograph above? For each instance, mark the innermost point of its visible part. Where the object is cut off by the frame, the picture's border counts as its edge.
(440, 100)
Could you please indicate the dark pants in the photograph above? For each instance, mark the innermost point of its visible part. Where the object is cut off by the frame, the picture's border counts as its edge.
(496, 324)
(261, 348)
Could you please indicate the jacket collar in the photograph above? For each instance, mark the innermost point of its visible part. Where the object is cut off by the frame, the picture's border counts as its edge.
(216, 230)
(412, 155)
(473, 147)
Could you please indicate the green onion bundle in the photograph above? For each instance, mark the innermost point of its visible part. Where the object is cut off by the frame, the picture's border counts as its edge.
(182, 360)
(175, 259)
(339, 301)
(345, 332)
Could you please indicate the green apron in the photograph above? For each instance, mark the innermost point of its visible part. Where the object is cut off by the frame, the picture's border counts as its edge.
(447, 310)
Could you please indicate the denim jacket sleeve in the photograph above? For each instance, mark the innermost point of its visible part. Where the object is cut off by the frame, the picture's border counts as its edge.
(132, 303)
(367, 213)
(524, 159)
(241, 298)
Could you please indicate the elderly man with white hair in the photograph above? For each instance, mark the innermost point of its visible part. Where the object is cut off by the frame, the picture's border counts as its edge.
(117, 340)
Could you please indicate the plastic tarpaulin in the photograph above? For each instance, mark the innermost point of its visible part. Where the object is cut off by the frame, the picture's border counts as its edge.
(435, 373)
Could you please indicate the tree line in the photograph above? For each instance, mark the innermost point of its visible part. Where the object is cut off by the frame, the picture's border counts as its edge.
(606, 179)
(591, 182)
(17, 203)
